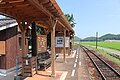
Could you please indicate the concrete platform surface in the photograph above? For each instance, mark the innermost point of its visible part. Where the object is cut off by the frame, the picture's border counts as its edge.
(45, 75)
(74, 68)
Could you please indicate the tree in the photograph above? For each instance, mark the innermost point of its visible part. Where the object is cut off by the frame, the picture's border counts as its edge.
(40, 30)
(70, 19)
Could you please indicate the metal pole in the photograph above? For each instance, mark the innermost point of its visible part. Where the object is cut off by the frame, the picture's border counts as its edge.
(79, 42)
(96, 39)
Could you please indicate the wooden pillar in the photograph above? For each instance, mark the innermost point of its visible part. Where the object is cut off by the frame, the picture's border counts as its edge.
(72, 42)
(23, 43)
(34, 39)
(64, 51)
(23, 48)
(23, 28)
(53, 48)
(69, 43)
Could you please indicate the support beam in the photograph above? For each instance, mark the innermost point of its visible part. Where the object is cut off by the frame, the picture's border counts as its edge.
(43, 1)
(34, 40)
(69, 43)
(73, 42)
(39, 7)
(13, 4)
(64, 51)
(53, 47)
(11, 0)
(48, 4)
(23, 48)
(23, 31)
(23, 28)
(23, 43)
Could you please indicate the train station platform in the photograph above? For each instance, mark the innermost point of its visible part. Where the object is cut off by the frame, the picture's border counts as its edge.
(63, 69)
(83, 73)
(75, 68)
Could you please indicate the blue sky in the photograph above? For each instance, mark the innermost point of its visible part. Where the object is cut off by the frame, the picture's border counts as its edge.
(93, 16)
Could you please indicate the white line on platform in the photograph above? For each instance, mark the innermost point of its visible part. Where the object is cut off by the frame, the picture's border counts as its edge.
(2, 74)
(74, 54)
(80, 63)
(73, 72)
(63, 76)
(76, 60)
(74, 65)
(77, 53)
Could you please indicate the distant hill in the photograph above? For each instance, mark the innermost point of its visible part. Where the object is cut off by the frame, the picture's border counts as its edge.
(103, 38)
(77, 38)
(89, 39)
(110, 37)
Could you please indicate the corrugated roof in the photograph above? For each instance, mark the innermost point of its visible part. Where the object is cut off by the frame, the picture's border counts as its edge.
(7, 23)
(4, 22)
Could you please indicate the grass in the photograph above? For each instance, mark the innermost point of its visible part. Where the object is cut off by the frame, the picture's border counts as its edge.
(107, 55)
(76, 42)
(111, 45)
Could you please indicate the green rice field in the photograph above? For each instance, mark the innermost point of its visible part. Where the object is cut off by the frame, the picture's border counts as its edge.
(76, 43)
(111, 45)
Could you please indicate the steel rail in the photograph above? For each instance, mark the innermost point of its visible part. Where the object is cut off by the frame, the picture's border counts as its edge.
(100, 72)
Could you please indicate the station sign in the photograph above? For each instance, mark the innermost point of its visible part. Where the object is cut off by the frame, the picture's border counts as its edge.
(59, 42)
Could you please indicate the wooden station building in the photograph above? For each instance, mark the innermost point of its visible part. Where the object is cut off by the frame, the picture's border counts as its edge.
(44, 13)
(10, 45)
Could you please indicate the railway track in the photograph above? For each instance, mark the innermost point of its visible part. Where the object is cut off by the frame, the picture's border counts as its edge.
(105, 70)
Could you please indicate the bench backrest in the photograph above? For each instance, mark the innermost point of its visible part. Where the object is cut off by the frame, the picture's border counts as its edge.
(43, 55)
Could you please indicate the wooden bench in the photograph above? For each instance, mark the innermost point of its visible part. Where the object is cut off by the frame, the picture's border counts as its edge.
(43, 60)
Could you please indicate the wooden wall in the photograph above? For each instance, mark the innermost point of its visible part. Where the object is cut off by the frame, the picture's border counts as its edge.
(12, 48)
(2, 62)
(60, 50)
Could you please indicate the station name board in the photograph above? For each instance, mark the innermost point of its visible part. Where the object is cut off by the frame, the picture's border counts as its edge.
(59, 42)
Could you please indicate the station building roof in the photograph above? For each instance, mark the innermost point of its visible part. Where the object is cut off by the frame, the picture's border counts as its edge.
(7, 23)
(39, 11)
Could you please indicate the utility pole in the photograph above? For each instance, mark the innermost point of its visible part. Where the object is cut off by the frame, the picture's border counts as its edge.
(79, 42)
(96, 39)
